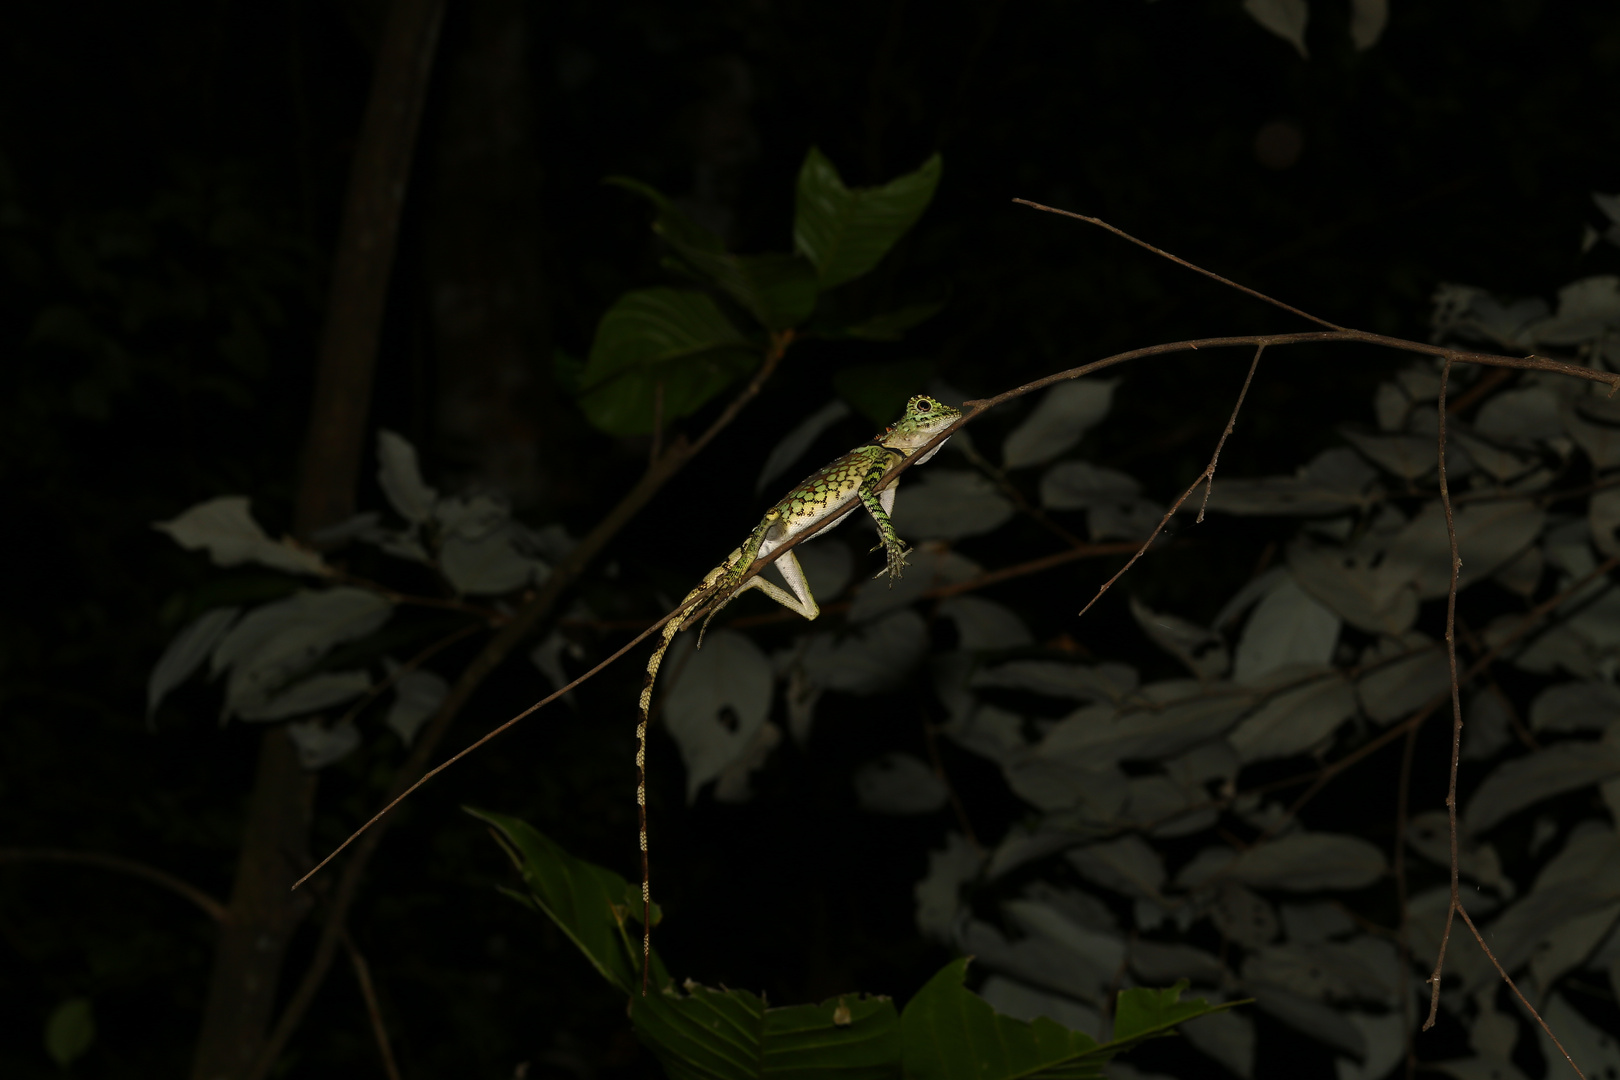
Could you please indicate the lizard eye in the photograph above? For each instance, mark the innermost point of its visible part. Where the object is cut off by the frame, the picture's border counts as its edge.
(923, 406)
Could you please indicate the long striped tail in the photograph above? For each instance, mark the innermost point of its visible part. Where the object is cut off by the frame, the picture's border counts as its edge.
(671, 628)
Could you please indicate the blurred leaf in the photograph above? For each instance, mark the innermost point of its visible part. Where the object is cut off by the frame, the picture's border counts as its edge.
(717, 699)
(1295, 720)
(949, 504)
(870, 658)
(1285, 18)
(1541, 774)
(674, 337)
(880, 391)
(1202, 650)
(1108, 681)
(796, 442)
(1289, 627)
(1480, 1068)
(1522, 416)
(709, 1034)
(400, 477)
(319, 691)
(1355, 583)
(845, 232)
(982, 624)
(320, 745)
(276, 642)
(1080, 485)
(225, 527)
(1410, 457)
(898, 784)
(1587, 309)
(70, 1031)
(1128, 865)
(1392, 690)
(1367, 21)
(491, 564)
(939, 892)
(417, 696)
(186, 653)
(1058, 421)
(1228, 1037)
(592, 905)
(1489, 535)
(1334, 481)
(1586, 705)
(1300, 862)
(1148, 731)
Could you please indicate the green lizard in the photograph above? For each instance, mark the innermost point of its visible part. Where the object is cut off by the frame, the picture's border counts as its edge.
(833, 491)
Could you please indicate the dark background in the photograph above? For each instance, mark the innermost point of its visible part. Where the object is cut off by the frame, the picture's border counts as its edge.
(171, 177)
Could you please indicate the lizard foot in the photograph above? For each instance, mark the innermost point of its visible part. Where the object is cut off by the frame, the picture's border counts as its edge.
(896, 555)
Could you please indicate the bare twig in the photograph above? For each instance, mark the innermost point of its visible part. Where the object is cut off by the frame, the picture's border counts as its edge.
(1456, 704)
(1180, 261)
(362, 975)
(211, 907)
(1515, 988)
(1207, 476)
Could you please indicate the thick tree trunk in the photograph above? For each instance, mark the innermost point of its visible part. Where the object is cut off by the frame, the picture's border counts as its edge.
(264, 912)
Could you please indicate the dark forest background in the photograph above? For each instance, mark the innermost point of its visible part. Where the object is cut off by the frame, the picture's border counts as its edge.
(172, 177)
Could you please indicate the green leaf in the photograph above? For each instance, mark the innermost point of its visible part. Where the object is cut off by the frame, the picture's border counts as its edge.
(676, 338)
(69, 1031)
(1141, 1013)
(949, 1033)
(777, 290)
(880, 391)
(709, 1034)
(892, 324)
(592, 905)
(845, 232)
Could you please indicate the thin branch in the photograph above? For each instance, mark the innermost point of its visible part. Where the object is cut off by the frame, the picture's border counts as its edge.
(1229, 283)
(211, 907)
(1514, 987)
(1456, 705)
(1208, 475)
(362, 975)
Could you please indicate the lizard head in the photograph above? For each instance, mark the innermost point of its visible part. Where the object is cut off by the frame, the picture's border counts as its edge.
(924, 418)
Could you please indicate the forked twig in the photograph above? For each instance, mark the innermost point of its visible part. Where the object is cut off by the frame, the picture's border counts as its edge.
(1205, 477)
(1455, 906)
(1515, 988)
(1456, 705)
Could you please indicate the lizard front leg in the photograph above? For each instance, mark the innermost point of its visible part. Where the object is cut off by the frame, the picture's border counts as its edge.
(894, 549)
